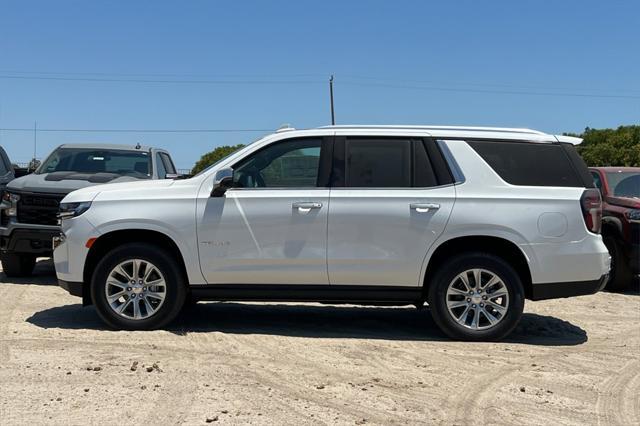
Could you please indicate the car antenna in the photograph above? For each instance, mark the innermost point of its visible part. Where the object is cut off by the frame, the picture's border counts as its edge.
(138, 145)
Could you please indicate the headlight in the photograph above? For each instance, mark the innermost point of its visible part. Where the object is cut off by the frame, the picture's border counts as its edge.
(69, 210)
(633, 214)
(10, 203)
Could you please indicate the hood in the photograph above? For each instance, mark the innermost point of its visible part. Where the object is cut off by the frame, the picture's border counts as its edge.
(64, 182)
(89, 193)
(633, 203)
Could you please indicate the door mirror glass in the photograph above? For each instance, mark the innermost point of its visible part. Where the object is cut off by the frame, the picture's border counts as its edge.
(222, 182)
(33, 164)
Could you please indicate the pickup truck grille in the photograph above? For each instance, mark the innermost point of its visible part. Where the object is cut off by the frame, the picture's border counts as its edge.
(39, 209)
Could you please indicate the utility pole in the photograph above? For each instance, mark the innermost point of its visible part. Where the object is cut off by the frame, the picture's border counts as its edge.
(333, 115)
(35, 138)
(32, 164)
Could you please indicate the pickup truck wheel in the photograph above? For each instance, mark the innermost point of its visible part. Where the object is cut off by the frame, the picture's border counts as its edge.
(620, 275)
(16, 265)
(476, 297)
(138, 287)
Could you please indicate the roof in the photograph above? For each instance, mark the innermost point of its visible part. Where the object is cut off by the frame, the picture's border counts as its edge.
(105, 146)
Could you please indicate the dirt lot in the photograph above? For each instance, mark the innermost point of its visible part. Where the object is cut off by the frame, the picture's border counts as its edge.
(571, 361)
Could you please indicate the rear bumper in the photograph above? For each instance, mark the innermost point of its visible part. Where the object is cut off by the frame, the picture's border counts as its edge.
(577, 261)
(567, 289)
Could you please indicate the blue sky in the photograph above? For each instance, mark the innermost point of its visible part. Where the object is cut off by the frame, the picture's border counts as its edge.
(258, 64)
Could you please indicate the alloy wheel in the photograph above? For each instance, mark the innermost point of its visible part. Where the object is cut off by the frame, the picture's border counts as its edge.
(477, 299)
(135, 289)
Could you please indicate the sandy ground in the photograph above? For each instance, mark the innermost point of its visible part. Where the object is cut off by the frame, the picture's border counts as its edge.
(571, 362)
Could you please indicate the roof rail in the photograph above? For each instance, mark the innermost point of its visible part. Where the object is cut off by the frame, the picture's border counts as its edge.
(414, 127)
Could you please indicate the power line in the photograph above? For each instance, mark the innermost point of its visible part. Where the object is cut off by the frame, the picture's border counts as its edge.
(160, 81)
(347, 77)
(237, 78)
(348, 83)
(24, 129)
(153, 75)
(493, 92)
(352, 80)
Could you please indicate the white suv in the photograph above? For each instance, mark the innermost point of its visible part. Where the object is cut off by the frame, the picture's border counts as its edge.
(469, 220)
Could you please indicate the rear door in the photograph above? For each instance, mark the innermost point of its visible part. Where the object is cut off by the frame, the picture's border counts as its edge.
(391, 199)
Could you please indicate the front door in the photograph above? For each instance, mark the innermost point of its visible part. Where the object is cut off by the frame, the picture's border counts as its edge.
(392, 201)
(271, 227)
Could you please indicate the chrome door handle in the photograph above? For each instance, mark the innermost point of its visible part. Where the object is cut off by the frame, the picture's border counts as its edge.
(306, 205)
(424, 207)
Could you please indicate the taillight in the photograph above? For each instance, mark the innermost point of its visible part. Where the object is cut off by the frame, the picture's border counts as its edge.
(591, 203)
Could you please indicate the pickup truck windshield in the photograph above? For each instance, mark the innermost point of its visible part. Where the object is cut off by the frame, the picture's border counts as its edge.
(624, 184)
(130, 163)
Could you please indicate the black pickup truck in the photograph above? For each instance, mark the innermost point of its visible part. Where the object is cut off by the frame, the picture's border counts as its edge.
(28, 213)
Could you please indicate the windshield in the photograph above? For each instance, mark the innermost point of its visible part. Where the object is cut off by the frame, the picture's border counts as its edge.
(624, 184)
(130, 163)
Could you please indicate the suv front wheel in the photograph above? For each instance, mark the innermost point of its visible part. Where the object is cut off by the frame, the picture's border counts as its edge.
(138, 287)
(476, 297)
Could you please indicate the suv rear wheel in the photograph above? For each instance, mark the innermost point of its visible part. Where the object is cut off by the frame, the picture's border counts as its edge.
(15, 265)
(138, 287)
(476, 296)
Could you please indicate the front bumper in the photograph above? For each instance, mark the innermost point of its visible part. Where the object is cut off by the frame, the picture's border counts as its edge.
(567, 289)
(74, 288)
(28, 239)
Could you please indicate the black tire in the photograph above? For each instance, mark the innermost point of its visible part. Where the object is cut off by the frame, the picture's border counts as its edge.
(437, 296)
(176, 286)
(17, 265)
(620, 275)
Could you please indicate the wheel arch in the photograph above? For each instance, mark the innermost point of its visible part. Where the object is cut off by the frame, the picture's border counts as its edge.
(612, 225)
(113, 239)
(498, 246)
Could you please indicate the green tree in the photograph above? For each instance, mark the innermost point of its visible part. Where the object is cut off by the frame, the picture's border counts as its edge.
(211, 157)
(611, 147)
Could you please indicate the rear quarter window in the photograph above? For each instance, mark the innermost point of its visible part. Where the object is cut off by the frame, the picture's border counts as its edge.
(532, 164)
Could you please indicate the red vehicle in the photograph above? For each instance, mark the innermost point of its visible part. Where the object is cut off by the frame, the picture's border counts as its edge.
(620, 188)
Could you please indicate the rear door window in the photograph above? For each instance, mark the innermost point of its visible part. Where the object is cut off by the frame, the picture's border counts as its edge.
(530, 164)
(378, 163)
(388, 162)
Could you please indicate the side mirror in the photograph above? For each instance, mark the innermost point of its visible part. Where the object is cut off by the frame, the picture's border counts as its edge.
(33, 164)
(222, 182)
(171, 176)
